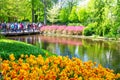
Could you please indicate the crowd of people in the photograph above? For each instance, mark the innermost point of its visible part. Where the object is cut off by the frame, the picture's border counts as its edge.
(19, 27)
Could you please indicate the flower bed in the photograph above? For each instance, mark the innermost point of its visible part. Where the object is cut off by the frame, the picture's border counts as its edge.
(53, 68)
(69, 30)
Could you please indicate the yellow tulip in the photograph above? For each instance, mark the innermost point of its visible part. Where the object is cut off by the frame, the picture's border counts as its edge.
(12, 58)
(52, 68)
(22, 56)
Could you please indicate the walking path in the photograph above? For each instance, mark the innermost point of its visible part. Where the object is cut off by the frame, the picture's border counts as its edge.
(20, 33)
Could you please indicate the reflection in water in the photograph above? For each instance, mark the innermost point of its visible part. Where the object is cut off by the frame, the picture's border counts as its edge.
(67, 52)
(105, 53)
(76, 52)
(57, 49)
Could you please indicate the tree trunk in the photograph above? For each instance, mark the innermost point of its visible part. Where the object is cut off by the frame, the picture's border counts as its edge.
(36, 18)
(33, 11)
(45, 15)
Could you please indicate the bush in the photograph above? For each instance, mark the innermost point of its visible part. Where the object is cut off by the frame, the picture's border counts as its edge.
(90, 30)
(1, 36)
(75, 24)
(68, 30)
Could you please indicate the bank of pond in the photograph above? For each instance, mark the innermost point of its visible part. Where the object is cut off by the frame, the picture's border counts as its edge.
(8, 47)
(19, 60)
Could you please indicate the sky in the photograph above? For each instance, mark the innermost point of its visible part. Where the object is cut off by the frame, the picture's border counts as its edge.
(83, 2)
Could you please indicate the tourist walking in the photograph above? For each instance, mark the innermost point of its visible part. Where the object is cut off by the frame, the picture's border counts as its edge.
(4, 26)
(12, 27)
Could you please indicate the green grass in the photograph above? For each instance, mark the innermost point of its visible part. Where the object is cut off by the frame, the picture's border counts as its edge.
(8, 47)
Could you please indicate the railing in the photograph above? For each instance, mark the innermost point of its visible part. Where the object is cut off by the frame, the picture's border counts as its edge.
(11, 32)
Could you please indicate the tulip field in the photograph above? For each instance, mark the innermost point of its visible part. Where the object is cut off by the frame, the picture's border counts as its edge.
(53, 68)
(69, 30)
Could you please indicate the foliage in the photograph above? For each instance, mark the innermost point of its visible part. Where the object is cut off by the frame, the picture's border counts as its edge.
(8, 47)
(98, 15)
(90, 29)
(2, 37)
(71, 3)
(53, 68)
(73, 15)
(19, 10)
(52, 14)
(82, 15)
(12, 10)
(103, 12)
(63, 16)
(115, 29)
(75, 24)
(67, 10)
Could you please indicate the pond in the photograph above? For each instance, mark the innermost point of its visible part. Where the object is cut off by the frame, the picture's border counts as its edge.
(106, 53)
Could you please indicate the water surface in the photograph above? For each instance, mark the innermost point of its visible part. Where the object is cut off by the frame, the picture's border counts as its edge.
(105, 53)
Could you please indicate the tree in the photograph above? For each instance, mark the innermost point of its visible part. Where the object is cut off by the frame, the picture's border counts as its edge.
(33, 11)
(99, 11)
(116, 29)
(52, 14)
(82, 15)
(12, 10)
(45, 6)
(73, 15)
(63, 16)
(71, 3)
(2, 11)
(24, 10)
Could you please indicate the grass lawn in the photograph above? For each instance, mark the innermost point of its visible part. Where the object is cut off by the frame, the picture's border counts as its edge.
(8, 47)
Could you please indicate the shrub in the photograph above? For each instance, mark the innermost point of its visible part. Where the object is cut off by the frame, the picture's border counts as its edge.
(1, 36)
(90, 29)
(75, 24)
(68, 30)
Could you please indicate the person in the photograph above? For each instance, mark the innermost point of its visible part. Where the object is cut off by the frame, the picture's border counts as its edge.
(28, 26)
(21, 27)
(12, 27)
(8, 27)
(16, 27)
(0, 27)
(39, 26)
(33, 27)
(4, 26)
